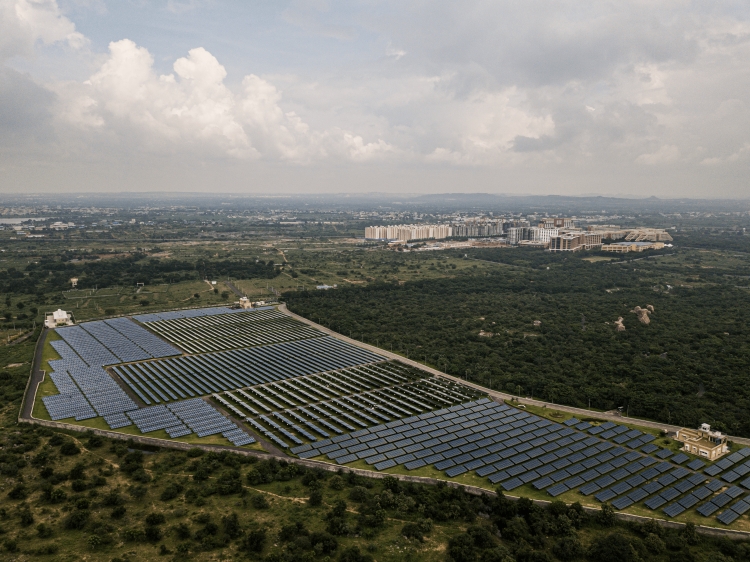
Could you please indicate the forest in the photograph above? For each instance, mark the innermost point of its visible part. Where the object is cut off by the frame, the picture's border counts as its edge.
(544, 325)
(53, 274)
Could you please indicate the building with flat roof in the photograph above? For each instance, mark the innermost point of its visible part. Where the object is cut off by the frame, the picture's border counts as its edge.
(703, 442)
(58, 318)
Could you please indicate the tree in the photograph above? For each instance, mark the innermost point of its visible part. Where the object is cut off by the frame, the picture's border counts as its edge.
(254, 541)
(606, 516)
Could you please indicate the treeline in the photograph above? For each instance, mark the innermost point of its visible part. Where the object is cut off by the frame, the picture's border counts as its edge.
(54, 274)
(688, 366)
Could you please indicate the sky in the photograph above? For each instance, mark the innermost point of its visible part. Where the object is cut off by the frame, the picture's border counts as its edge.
(619, 98)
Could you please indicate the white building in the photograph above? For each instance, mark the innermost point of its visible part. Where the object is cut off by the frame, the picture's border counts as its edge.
(58, 318)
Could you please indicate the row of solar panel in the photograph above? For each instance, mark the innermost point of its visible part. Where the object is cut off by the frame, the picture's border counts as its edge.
(172, 379)
(107, 342)
(230, 331)
(329, 415)
(188, 313)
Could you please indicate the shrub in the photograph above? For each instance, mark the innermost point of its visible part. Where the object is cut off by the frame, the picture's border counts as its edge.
(153, 533)
(182, 531)
(358, 494)
(254, 541)
(171, 491)
(259, 501)
(316, 498)
(76, 519)
(231, 525)
(44, 531)
(18, 492)
(353, 554)
(69, 448)
(118, 512)
(568, 548)
(155, 519)
(336, 483)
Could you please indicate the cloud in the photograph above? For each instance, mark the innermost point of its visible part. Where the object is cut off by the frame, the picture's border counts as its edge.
(194, 110)
(665, 155)
(24, 23)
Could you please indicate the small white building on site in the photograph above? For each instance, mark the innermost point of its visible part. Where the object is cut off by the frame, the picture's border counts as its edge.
(58, 318)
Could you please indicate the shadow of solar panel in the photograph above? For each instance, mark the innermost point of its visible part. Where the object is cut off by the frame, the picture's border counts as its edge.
(673, 510)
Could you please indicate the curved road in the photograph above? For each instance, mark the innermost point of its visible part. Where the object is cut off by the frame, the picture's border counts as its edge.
(494, 393)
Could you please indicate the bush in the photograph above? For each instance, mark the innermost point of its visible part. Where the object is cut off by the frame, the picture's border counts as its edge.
(259, 501)
(336, 483)
(316, 498)
(353, 554)
(171, 491)
(358, 494)
(44, 531)
(153, 533)
(155, 519)
(568, 548)
(614, 547)
(77, 519)
(18, 492)
(118, 512)
(254, 541)
(69, 448)
(231, 525)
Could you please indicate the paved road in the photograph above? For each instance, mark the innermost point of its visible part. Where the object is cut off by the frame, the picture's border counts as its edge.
(36, 377)
(235, 290)
(501, 395)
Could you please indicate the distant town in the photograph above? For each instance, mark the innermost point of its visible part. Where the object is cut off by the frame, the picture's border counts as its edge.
(552, 234)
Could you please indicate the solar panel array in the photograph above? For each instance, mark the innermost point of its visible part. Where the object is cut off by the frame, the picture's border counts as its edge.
(106, 342)
(144, 339)
(204, 334)
(512, 447)
(188, 376)
(318, 406)
(189, 313)
(83, 384)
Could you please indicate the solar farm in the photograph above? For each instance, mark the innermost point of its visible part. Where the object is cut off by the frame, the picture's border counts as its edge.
(261, 378)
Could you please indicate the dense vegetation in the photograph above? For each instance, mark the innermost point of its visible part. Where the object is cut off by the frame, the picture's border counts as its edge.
(54, 274)
(689, 365)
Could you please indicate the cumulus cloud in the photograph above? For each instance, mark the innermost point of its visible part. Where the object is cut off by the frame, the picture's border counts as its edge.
(193, 109)
(24, 23)
(539, 89)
